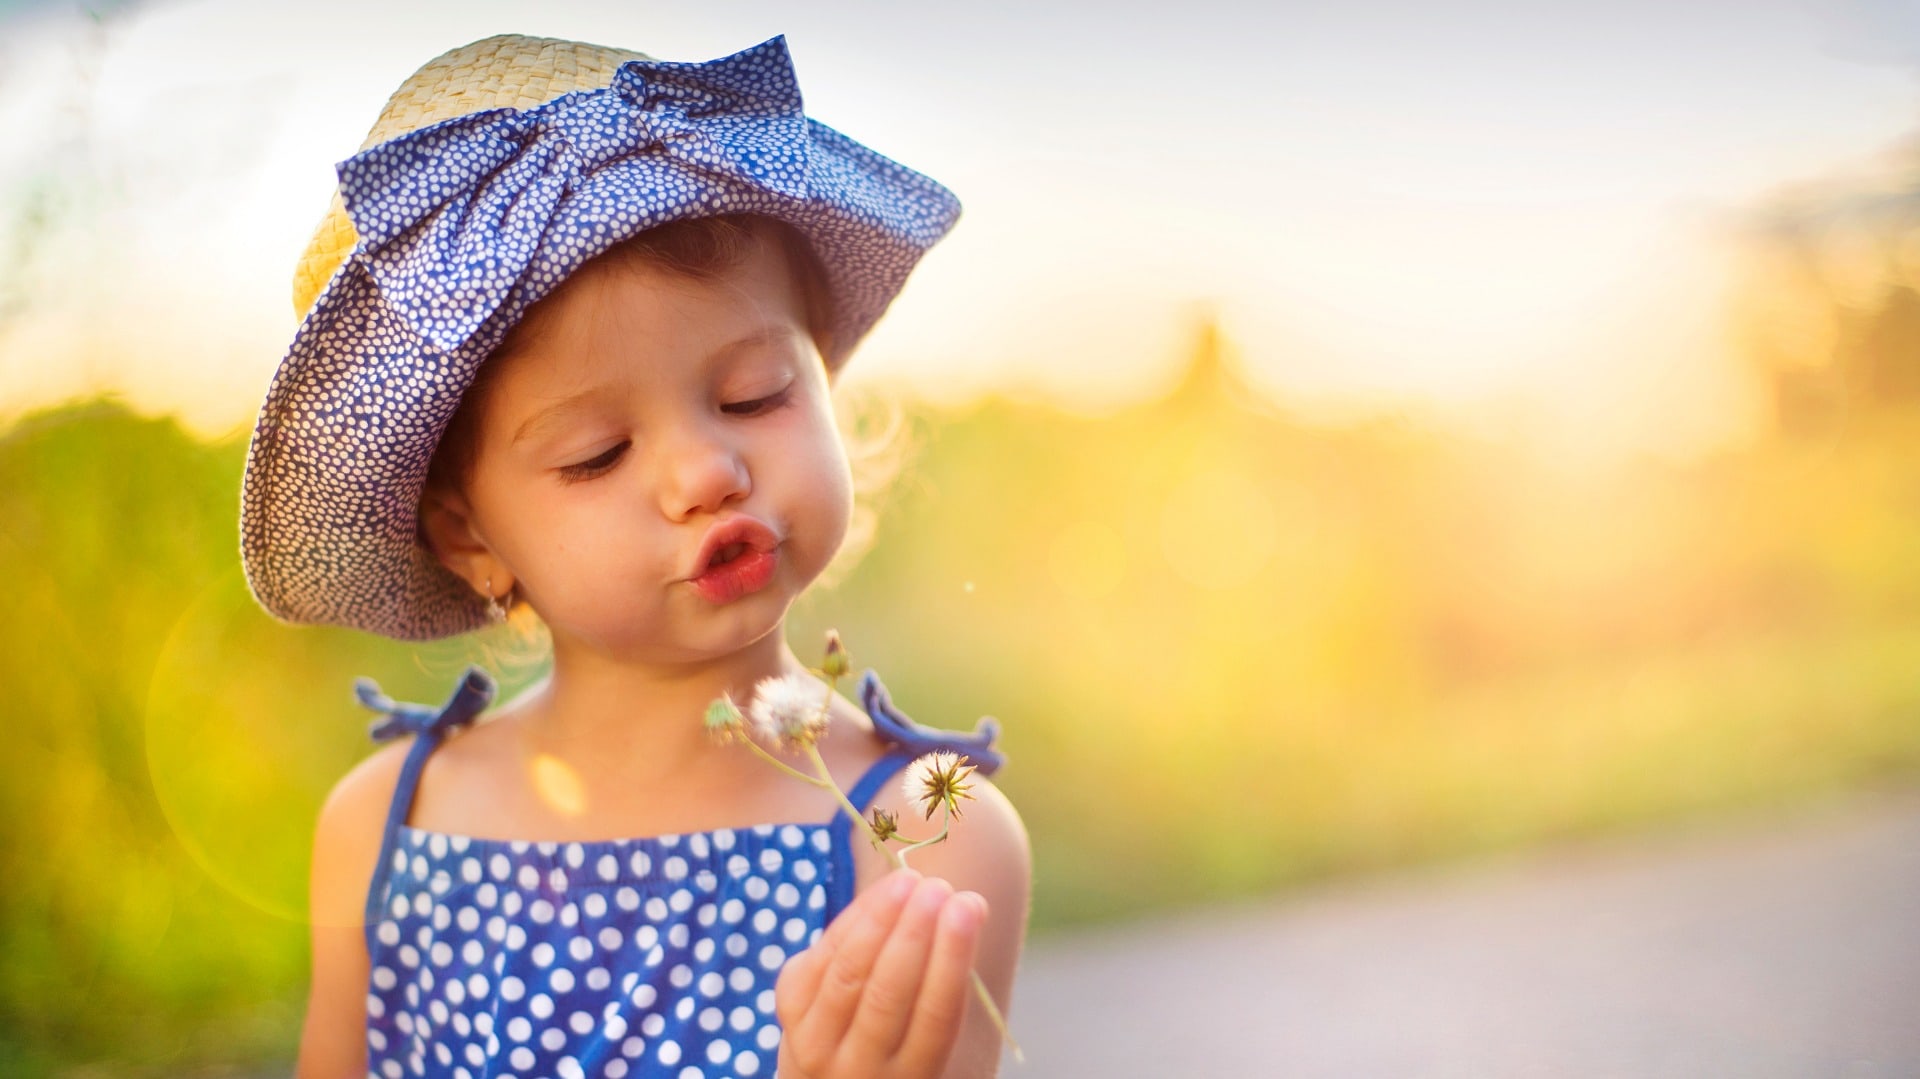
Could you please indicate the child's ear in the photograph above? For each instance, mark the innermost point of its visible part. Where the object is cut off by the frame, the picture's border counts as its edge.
(446, 524)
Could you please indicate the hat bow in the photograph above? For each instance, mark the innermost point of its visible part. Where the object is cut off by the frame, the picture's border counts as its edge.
(451, 217)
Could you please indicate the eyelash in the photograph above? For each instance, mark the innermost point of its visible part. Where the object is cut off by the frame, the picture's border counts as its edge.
(586, 470)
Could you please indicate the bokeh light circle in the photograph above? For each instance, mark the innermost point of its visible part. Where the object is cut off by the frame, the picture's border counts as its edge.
(248, 724)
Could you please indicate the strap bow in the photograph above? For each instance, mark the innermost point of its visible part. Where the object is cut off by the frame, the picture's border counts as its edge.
(896, 727)
(398, 719)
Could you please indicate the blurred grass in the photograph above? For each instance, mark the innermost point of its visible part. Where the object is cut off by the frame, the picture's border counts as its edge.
(1231, 653)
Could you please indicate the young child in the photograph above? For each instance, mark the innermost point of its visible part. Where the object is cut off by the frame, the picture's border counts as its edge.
(568, 346)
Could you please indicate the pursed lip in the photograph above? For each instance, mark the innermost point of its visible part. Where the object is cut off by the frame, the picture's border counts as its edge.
(737, 529)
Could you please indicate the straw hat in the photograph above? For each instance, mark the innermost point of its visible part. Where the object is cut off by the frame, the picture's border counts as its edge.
(504, 72)
(492, 173)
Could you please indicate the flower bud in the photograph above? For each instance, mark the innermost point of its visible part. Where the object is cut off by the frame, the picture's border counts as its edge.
(723, 719)
(837, 663)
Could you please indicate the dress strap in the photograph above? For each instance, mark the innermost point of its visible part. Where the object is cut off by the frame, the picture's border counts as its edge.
(431, 726)
(893, 725)
(471, 697)
(906, 742)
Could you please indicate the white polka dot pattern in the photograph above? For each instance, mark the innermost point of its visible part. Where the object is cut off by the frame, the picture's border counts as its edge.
(611, 957)
(466, 223)
(603, 986)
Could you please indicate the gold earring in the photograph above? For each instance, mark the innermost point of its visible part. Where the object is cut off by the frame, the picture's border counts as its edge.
(495, 610)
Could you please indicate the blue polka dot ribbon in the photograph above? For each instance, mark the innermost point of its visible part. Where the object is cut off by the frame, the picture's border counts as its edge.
(452, 217)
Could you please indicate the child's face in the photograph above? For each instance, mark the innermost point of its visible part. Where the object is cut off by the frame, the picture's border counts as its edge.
(686, 403)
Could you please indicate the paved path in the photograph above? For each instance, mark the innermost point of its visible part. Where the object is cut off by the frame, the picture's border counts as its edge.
(1789, 948)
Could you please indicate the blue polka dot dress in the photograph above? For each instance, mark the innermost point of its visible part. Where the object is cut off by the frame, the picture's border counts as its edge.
(653, 956)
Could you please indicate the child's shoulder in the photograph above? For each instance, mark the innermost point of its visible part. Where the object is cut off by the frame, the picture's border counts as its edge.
(987, 847)
(362, 796)
(852, 745)
(988, 851)
(349, 831)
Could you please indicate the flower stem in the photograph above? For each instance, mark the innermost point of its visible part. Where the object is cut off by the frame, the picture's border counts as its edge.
(785, 767)
(946, 825)
(979, 987)
(826, 782)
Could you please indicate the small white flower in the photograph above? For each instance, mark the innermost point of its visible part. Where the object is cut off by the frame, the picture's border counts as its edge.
(938, 779)
(790, 710)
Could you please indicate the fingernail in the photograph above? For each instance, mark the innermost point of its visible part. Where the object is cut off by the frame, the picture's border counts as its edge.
(967, 912)
(933, 894)
(900, 883)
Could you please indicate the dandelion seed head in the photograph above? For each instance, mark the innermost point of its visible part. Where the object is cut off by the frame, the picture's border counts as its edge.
(790, 710)
(936, 779)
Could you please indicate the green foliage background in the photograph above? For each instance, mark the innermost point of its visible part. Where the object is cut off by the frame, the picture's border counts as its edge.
(1230, 652)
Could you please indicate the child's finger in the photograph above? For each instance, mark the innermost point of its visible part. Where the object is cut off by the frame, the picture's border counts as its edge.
(892, 889)
(798, 982)
(887, 1004)
(800, 978)
(946, 988)
(846, 962)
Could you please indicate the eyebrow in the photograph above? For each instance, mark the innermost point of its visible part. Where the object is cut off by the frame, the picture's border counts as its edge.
(550, 417)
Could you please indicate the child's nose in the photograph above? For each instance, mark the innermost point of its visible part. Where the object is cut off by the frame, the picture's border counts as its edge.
(703, 472)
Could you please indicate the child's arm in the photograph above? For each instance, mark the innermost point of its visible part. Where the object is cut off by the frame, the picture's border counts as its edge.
(886, 991)
(346, 843)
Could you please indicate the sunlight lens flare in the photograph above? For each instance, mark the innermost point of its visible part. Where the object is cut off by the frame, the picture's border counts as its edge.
(556, 784)
(234, 771)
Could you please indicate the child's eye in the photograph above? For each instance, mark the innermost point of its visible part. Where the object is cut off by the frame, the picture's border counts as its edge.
(760, 404)
(589, 469)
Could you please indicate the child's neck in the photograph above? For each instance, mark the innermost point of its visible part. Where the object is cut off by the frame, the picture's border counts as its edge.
(596, 708)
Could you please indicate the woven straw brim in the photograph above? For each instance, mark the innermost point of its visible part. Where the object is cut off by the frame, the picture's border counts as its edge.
(507, 71)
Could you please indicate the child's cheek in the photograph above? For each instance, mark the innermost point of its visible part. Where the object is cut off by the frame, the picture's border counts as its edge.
(837, 487)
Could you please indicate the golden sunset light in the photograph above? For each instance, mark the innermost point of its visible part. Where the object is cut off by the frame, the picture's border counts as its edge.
(1403, 489)
(1411, 233)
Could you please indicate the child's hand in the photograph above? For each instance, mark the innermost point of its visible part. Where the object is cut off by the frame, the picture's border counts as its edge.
(884, 990)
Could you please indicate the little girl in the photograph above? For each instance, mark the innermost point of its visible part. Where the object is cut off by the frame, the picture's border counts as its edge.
(568, 345)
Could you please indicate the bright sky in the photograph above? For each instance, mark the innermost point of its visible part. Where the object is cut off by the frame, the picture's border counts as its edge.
(1502, 214)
